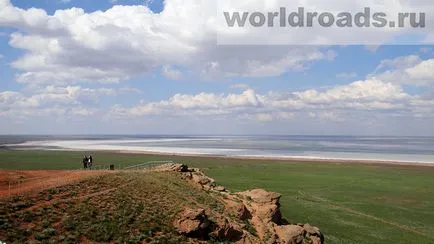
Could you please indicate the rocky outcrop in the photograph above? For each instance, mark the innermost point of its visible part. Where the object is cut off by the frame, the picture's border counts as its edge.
(251, 217)
(237, 210)
(195, 175)
(263, 204)
(193, 223)
(314, 234)
(172, 167)
(290, 233)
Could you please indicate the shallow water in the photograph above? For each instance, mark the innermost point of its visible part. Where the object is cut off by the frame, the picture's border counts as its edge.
(405, 149)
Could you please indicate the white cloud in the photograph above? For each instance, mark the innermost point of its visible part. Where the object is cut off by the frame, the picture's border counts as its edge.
(367, 90)
(126, 41)
(40, 101)
(422, 71)
(410, 70)
(362, 103)
(171, 73)
(326, 116)
(334, 104)
(126, 90)
(122, 42)
(399, 62)
(200, 104)
(83, 111)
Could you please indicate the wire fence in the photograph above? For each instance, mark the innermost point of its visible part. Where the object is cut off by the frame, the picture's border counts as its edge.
(147, 165)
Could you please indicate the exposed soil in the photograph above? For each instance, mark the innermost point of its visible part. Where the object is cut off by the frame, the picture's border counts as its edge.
(18, 182)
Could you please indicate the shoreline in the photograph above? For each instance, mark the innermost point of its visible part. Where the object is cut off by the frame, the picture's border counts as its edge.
(289, 159)
(308, 151)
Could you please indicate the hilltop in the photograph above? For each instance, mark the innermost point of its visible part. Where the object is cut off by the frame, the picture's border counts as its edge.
(170, 204)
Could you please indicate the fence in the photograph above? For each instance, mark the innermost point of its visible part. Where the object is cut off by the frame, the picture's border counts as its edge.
(146, 165)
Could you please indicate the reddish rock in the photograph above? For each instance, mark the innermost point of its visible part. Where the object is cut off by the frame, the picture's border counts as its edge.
(257, 216)
(311, 230)
(201, 179)
(224, 230)
(316, 240)
(314, 234)
(172, 167)
(192, 223)
(262, 196)
(290, 234)
(265, 205)
(238, 210)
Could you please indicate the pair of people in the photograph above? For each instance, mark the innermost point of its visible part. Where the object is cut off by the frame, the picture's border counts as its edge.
(87, 162)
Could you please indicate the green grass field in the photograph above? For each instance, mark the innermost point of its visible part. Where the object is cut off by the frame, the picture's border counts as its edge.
(351, 203)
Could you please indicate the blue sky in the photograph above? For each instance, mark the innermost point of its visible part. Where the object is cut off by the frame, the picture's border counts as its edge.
(150, 69)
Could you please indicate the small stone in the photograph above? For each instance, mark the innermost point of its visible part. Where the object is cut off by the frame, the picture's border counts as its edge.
(220, 188)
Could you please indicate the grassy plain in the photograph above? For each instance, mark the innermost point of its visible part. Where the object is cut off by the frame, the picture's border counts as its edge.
(351, 203)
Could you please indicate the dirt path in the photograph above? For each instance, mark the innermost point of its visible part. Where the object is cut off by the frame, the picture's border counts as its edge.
(19, 182)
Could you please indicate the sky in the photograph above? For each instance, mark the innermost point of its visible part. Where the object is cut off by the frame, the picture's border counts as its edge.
(154, 67)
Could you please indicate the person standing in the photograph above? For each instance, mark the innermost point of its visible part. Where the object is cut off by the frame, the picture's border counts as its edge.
(90, 162)
(85, 161)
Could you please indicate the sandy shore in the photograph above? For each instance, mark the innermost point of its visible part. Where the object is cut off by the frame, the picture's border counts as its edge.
(250, 158)
(287, 159)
